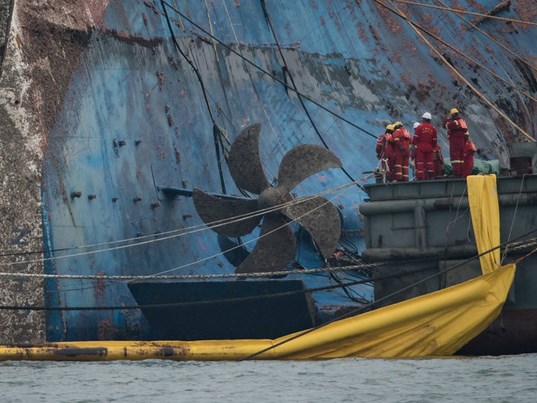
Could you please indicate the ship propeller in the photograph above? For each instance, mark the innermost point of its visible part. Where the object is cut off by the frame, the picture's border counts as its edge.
(276, 244)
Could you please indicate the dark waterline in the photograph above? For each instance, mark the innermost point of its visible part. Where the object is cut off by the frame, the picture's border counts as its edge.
(483, 379)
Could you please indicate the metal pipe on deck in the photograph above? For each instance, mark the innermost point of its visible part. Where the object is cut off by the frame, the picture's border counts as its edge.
(449, 252)
(399, 206)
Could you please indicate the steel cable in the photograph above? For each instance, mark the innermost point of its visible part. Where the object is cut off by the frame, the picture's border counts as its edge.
(472, 60)
(514, 54)
(199, 228)
(458, 11)
(417, 28)
(261, 69)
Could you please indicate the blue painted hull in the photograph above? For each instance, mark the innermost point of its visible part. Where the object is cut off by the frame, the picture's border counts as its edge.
(134, 118)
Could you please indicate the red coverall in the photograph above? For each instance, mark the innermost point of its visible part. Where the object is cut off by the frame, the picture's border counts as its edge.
(425, 141)
(457, 135)
(468, 165)
(385, 153)
(401, 141)
(438, 162)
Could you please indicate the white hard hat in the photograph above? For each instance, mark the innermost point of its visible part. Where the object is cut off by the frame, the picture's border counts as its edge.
(427, 116)
(416, 124)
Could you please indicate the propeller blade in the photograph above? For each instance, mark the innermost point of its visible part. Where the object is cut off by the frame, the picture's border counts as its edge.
(273, 251)
(244, 163)
(212, 208)
(302, 162)
(321, 219)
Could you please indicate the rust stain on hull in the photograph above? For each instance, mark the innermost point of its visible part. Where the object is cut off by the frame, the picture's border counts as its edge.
(134, 39)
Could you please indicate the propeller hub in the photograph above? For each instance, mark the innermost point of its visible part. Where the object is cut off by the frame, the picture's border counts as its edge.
(272, 197)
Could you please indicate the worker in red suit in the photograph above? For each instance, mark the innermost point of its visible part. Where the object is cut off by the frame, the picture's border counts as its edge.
(438, 162)
(385, 152)
(468, 164)
(458, 136)
(401, 140)
(424, 142)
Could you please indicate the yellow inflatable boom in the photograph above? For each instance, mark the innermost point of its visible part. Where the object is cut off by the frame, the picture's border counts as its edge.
(435, 324)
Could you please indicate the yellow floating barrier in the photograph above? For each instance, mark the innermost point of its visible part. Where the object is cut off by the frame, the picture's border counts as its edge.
(436, 324)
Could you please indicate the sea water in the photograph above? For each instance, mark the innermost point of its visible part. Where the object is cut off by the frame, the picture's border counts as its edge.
(482, 379)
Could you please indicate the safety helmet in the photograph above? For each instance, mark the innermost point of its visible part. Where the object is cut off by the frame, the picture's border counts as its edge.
(390, 127)
(427, 116)
(416, 124)
(397, 124)
(454, 111)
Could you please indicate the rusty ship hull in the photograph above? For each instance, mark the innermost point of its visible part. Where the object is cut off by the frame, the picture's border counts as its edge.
(104, 103)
